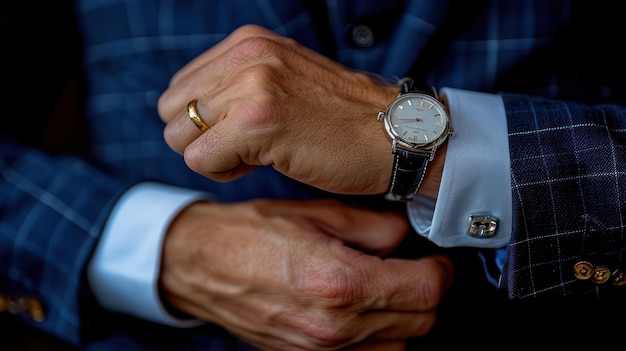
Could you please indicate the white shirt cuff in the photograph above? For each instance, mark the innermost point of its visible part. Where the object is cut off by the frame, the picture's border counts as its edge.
(476, 175)
(124, 269)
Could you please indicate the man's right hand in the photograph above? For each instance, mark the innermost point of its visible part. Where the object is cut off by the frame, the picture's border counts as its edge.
(301, 275)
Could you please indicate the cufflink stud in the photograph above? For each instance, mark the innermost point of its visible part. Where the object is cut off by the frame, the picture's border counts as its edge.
(482, 226)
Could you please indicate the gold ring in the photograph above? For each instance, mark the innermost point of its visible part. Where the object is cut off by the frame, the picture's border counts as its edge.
(195, 117)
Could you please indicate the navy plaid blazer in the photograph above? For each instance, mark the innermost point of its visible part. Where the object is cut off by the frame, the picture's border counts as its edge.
(554, 62)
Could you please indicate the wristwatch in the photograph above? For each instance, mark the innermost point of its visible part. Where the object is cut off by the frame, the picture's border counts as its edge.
(417, 123)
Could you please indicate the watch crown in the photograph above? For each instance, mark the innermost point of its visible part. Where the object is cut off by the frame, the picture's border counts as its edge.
(381, 116)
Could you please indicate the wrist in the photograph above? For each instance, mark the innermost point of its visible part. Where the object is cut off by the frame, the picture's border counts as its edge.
(432, 178)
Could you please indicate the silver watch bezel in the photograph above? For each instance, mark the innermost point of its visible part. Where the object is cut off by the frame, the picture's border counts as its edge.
(399, 141)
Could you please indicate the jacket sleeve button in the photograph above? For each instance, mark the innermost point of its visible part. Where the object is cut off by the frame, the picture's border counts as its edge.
(601, 274)
(618, 277)
(583, 270)
(34, 309)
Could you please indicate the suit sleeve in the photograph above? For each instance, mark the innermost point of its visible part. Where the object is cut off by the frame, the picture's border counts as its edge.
(52, 211)
(568, 174)
(52, 207)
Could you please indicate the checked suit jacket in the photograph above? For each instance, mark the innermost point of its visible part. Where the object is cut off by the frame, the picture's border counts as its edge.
(557, 65)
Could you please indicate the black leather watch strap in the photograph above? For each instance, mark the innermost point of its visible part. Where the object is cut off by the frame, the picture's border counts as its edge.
(409, 86)
(409, 168)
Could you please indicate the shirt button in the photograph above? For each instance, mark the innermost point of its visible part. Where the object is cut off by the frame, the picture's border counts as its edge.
(362, 36)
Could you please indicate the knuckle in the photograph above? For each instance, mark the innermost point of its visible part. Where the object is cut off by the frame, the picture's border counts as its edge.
(330, 321)
(253, 48)
(331, 284)
(261, 100)
(258, 76)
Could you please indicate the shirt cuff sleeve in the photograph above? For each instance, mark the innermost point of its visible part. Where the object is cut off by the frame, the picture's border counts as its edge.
(476, 175)
(123, 272)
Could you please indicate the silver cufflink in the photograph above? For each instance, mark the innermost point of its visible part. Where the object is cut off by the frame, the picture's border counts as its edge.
(482, 226)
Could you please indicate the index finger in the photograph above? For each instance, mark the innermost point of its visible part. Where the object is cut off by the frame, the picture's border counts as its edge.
(248, 31)
(207, 72)
(220, 48)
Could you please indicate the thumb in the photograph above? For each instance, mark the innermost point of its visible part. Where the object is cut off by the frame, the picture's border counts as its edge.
(373, 231)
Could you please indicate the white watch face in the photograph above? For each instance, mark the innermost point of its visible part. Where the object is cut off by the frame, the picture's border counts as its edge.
(417, 119)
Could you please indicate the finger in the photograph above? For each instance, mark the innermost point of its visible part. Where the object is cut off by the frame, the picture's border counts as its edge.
(404, 285)
(193, 86)
(245, 32)
(181, 130)
(389, 284)
(225, 164)
(207, 71)
(231, 165)
(220, 48)
(374, 231)
(207, 79)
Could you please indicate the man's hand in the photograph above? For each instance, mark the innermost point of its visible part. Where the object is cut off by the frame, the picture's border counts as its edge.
(269, 101)
(301, 275)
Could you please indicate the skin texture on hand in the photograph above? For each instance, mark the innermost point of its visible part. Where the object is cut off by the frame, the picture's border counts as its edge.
(301, 275)
(269, 101)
